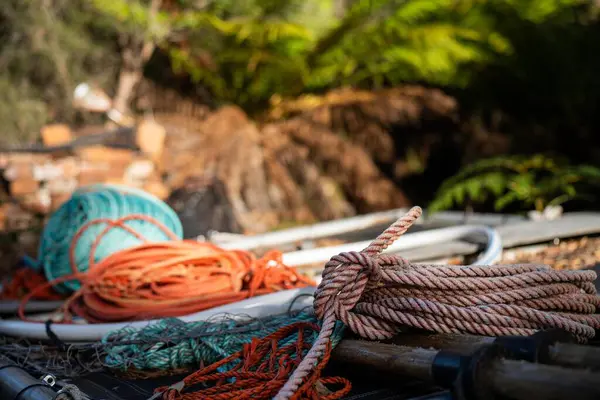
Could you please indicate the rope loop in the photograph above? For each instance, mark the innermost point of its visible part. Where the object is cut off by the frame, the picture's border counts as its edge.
(342, 288)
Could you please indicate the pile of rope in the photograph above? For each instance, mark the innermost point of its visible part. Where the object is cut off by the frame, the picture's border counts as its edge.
(170, 279)
(87, 220)
(120, 251)
(377, 295)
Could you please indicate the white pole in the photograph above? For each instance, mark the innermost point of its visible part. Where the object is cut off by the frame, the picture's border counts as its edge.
(492, 253)
(347, 225)
(316, 231)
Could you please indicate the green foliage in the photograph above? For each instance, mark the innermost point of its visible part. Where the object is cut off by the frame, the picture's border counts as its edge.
(21, 114)
(246, 52)
(388, 42)
(132, 17)
(256, 52)
(537, 11)
(44, 52)
(536, 181)
(244, 58)
(549, 84)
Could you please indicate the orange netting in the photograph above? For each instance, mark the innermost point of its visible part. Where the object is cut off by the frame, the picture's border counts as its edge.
(260, 370)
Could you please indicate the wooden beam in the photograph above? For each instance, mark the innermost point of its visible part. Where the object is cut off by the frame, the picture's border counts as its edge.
(563, 354)
(530, 232)
(515, 379)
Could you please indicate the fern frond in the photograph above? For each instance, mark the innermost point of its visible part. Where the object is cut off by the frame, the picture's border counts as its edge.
(504, 201)
(537, 11)
(475, 189)
(376, 42)
(417, 10)
(587, 172)
(480, 167)
(536, 180)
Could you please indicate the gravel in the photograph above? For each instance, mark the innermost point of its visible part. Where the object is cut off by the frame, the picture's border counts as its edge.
(572, 254)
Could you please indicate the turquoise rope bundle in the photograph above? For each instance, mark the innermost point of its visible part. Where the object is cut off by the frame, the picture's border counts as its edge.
(100, 202)
(172, 344)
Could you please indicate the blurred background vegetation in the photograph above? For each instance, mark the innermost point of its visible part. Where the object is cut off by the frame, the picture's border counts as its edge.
(524, 72)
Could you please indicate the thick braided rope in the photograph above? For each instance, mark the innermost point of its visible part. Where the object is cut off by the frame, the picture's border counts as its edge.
(375, 295)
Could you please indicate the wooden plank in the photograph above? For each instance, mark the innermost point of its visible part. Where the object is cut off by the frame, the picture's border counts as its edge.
(150, 138)
(509, 378)
(362, 227)
(437, 220)
(448, 218)
(530, 232)
(23, 187)
(120, 137)
(56, 135)
(516, 234)
(563, 354)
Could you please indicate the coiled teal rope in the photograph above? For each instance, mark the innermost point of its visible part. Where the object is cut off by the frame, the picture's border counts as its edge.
(98, 202)
(172, 344)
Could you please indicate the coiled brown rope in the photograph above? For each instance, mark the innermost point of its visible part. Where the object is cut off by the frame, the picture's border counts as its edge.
(376, 295)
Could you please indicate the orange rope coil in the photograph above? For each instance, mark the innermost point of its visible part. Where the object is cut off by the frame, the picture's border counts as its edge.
(169, 279)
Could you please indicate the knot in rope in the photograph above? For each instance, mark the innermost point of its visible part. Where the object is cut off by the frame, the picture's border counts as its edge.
(347, 275)
(345, 278)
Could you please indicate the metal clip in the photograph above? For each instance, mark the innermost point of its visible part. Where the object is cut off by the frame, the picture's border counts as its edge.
(49, 379)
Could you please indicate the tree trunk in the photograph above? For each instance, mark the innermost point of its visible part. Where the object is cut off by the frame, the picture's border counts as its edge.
(128, 81)
(134, 58)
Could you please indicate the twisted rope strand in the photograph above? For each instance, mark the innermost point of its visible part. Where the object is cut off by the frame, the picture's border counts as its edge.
(376, 295)
(461, 298)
